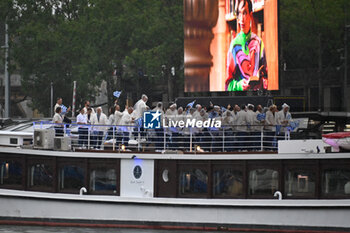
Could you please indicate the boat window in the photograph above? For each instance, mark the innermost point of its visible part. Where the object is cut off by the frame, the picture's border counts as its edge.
(10, 172)
(71, 178)
(227, 182)
(40, 175)
(263, 182)
(193, 181)
(103, 180)
(336, 182)
(299, 182)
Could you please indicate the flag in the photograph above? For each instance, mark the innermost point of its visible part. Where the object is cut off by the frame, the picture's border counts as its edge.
(117, 93)
(261, 116)
(191, 104)
(64, 108)
(223, 109)
(139, 122)
(278, 128)
(293, 125)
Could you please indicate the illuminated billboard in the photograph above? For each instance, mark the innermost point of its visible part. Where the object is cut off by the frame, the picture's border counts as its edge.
(230, 45)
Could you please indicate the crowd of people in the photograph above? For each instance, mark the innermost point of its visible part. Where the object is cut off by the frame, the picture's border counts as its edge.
(242, 124)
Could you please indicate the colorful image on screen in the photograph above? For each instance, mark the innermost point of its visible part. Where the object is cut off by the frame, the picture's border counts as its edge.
(230, 45)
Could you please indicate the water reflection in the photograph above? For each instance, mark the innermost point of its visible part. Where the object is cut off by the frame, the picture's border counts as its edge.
(35, 229)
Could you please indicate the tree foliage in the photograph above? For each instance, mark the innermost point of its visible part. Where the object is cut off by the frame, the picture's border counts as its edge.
(310, 27)
(60, 41)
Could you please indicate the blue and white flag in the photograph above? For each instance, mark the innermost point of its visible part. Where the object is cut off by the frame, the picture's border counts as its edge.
(278, 128)
(117, 93)
(191, 104)
(139, 122)
(293, 125)
(64, 109)
(261, 116)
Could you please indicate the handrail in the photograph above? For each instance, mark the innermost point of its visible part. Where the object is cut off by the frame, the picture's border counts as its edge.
(135, 126)
(130, 137)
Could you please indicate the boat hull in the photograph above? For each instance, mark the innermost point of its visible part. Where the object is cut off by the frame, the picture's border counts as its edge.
(32, 208)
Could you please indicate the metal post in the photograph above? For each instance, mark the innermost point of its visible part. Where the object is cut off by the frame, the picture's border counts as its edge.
(164, 139)
(7, 77)
(223, 139)
(319, 73)
(262, 139)
(74, 93)
(170, 86)
(114, 140)
(51, 103)
(345, 67)
(88, 138)
(138, 139)
(190, 139)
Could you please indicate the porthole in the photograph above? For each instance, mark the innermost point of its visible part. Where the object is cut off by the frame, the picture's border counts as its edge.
(165, 175)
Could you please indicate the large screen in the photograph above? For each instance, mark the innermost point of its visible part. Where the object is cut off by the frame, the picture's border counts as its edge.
(230, 45)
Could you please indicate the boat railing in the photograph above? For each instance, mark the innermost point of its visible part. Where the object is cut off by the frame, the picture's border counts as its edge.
(227, 138)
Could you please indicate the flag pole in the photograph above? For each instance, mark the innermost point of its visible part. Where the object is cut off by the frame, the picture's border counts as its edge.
(74, 92)
(7, 77)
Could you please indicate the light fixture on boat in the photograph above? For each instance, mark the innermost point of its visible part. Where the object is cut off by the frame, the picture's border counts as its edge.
(198, 149)
(6, 176)
(122, 147)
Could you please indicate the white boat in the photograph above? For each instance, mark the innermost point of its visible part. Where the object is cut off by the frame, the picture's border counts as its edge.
(338, 140)
(299, 189)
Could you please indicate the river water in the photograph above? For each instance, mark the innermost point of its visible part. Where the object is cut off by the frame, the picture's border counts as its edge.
(36, 229)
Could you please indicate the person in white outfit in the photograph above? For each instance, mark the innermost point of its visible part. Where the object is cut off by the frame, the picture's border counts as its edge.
(57, 119)
(111, 120)
(198, 110)
(127, 120)
(227, 124)
(158, 138)
(283, 120)
(117, 115)
(170, 113)
(87, 106)
(99, 119)
(242, 132)
(270, 127)
(117, 122)
(82, 129)
(284, 117)
(252, 123)
(140, 107)
(177, 132)
(159, 108)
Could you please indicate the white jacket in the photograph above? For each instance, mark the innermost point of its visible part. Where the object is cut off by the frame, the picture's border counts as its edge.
(283, 119)
(270, 121)
(241, 121)
(102, 121)
(127, 119)
(117, 117)
(139, 108)
(253, 121)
